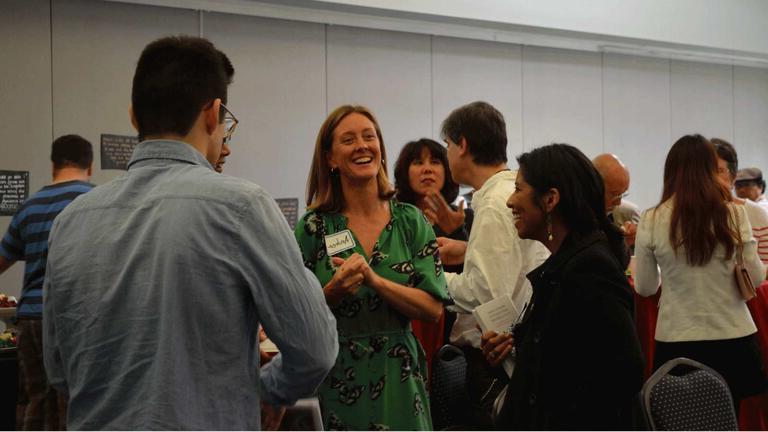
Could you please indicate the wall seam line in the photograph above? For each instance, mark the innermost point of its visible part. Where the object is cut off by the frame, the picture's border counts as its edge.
(50, 36)
(602, 98)
(431, 85)
(325, 35)
(522, 95)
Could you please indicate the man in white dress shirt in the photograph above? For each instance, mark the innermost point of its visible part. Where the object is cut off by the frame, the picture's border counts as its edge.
(495, 259)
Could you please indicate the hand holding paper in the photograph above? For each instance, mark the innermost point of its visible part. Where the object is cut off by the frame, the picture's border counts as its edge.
(495, 318)
(496, 347)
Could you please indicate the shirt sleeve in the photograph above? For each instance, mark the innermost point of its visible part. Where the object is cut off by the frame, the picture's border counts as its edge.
(494, 263)
(426, 257)
(12, 246)
(54, 367)
(290, 305)
(752, 260)
(646, 268)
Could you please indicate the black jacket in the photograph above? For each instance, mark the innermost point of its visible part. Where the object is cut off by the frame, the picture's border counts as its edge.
(579, 364)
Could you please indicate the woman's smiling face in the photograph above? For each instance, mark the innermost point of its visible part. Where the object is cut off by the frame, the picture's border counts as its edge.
(530, 219)
(356, 150)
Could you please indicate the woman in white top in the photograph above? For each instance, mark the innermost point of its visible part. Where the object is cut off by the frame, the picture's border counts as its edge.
(692, 236)
(727, 166)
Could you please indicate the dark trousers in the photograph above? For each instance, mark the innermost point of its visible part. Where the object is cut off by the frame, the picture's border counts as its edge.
(45, 409)
(483, 386)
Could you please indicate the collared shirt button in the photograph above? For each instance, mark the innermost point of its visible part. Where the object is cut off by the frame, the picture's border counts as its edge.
(532, 399)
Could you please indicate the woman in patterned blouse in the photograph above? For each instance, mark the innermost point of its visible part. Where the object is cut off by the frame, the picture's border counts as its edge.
(377, 261)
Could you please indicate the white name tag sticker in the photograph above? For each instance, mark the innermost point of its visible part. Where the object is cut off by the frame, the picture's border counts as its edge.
(339, 242)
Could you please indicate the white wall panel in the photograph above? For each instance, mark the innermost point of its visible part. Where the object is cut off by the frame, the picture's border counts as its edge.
(388, 72)
(278, 95)
(637, 125)
(465, 71)
(562, 99)
(25, 92)
(701, 99)
(751, 117)
(95, 49)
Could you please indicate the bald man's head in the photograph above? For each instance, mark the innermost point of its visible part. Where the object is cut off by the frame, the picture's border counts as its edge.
(615, 176)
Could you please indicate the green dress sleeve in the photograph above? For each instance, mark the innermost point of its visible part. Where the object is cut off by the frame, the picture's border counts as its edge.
(425, 256)
(309, 233)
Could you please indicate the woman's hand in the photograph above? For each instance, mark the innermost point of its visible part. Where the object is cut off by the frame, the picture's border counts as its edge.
(451, 251)
(439, 211)
(349, 275)
(496, 347)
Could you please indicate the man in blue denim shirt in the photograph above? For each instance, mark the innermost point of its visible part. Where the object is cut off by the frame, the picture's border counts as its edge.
(157, 282)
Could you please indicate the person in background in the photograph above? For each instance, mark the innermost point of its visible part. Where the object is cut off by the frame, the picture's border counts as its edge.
(693, 235)
(727, 166)
(27, 240)
(495, 259)
(158, 281)
(378, 263)
(578, 361)
(749, 184)
(623, 213)
(423, 178)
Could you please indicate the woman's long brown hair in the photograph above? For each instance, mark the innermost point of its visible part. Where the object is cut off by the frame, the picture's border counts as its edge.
(701, 218)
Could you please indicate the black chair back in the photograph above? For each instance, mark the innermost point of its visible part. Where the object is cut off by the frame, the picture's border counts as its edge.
(448, 390)
(684, 394)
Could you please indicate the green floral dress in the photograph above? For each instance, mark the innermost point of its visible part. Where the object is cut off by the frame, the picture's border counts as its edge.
(378, 381)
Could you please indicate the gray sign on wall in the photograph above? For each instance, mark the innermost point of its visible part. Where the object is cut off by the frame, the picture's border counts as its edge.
(14, 190)
(116, 151)
(290, 209)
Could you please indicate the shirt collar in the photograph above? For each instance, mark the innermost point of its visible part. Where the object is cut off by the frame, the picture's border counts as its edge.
(167, 149)
(489, 184)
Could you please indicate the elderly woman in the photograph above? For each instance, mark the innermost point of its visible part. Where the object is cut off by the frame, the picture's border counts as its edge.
(377, 261)
(578, 359)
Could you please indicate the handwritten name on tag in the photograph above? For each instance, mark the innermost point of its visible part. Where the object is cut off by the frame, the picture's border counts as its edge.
(339, 242)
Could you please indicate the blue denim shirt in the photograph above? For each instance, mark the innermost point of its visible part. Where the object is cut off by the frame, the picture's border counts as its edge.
(155, 286)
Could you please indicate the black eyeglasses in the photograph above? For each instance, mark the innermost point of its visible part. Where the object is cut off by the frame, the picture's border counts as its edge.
(230, 123)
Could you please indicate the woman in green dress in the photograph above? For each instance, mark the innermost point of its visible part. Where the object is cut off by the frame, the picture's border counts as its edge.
(378, 263)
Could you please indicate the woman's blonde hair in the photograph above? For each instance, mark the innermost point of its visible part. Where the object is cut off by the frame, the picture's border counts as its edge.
(324, 187)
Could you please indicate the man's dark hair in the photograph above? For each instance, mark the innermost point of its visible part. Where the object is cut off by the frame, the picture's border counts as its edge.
(483, 127)
(726, 152)
(175, 78)
(71, 151)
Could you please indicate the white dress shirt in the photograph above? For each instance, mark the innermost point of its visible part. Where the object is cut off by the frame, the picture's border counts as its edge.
(496, 261)
(697, 302)
(762, 202)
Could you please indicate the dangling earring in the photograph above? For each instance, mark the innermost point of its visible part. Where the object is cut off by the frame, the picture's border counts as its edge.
(549, 227)
(333, 170)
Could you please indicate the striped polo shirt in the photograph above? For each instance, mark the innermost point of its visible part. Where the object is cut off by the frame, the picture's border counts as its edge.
(27, 239)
